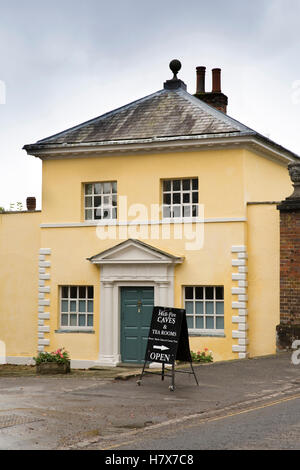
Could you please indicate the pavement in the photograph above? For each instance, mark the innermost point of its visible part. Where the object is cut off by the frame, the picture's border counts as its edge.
(96, 409)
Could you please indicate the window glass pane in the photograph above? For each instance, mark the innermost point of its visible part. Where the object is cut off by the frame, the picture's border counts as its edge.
(167, 185)
(186, 184)
(176, 198)
(219, 308)
(114, 187)
(220, 293)
(209, 293)
(167, 211)
(189, 306)
(90, 320)
(73, 306)
(186, 211)
(195, 183)
(176, 185)
(97, 201)
(195, 211)
(65, 292)
(64, 306)
(88, 202)
(82, 306)
(176, 211)
(64, 320)
(98, 214)
(220, 323)
(90, 292)
(209, 323)
(98, 188)
(209, 308)
(199, 308)
(73, 320)
(167, 199)
(114, 200)
(190, 322)
(107, 188)
(195, 197)
(114, 213)
(82, 292)
(199, 292)
(90, 305)
(106, 214)
(186, 197)
(199, 322)
(189, 292)
(88, 189)
(89, 214)
(73, 292)
(82, 320)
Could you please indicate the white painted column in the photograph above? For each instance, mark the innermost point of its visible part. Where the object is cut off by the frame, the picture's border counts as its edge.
(107, 327)
(164, 293)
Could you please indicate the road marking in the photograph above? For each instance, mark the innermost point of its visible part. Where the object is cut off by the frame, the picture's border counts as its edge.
(209, 420)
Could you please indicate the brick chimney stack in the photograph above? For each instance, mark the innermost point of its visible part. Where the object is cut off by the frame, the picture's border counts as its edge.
(215, 98)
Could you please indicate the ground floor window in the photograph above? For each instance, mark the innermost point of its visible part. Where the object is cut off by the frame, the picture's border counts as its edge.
(77, 306)
(204, 307)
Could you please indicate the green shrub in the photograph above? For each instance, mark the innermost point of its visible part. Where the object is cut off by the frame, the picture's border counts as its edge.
(61, 356)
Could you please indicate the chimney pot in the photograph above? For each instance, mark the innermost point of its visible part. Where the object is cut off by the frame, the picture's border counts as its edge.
(31, 203)
(200, 88)
(216, 80)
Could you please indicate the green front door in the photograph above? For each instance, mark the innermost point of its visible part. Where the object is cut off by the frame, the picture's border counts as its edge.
(136, 313)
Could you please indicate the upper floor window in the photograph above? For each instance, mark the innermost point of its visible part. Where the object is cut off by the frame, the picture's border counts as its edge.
(180, 198)
(204, 307)
(100, 200)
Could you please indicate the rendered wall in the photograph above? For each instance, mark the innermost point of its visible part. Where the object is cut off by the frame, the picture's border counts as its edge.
(263, 278)
(19, 248)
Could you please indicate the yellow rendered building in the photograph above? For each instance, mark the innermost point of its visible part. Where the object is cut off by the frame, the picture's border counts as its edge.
(166, 201)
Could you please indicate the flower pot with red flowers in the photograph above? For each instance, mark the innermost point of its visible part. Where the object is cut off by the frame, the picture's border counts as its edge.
(57, 362)
(202, 356)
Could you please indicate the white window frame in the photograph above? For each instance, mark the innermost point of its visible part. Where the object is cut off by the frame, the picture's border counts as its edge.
(76, 312)
(181, 210)
(107, 193)
(205, 331)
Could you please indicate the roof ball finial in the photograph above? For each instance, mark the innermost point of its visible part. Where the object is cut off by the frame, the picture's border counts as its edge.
(175, 66)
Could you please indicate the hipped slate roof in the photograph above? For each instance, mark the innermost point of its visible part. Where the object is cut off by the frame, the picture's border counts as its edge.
(166, 114)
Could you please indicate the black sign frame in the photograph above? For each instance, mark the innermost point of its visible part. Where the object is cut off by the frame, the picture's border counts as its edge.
(168, 341)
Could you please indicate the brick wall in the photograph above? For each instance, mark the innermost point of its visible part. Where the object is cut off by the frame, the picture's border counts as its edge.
(290, 267)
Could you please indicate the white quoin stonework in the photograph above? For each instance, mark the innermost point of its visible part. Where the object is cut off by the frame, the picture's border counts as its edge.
(43, 291)
(131, 263)
(239, 301)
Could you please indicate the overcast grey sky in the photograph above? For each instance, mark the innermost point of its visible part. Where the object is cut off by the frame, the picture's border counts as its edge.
(64, 62)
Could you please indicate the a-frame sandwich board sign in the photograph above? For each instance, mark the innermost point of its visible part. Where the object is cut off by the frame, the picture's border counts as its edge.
(168, 341)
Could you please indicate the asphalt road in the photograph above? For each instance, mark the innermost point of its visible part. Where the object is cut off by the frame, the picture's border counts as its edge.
(270, 426)
(92, 411)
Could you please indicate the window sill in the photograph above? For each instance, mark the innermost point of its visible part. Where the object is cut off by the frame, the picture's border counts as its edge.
(207, 333)
(61, 330)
